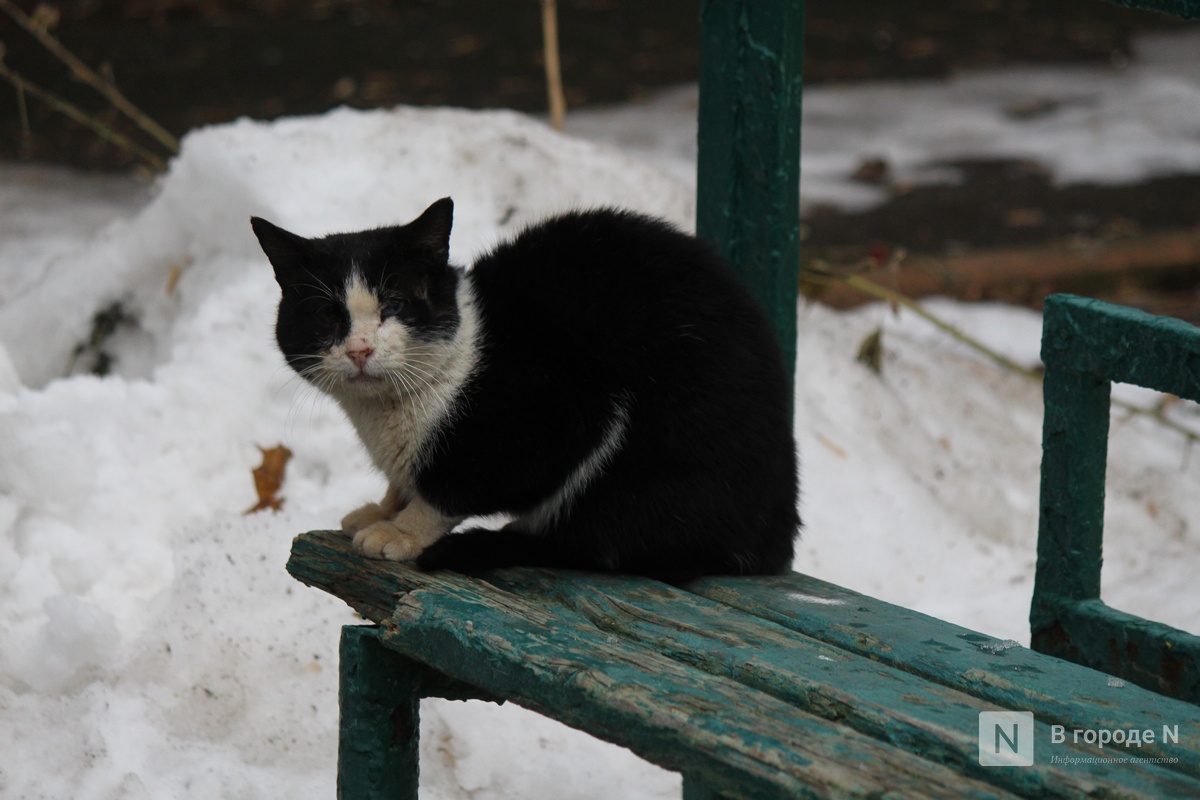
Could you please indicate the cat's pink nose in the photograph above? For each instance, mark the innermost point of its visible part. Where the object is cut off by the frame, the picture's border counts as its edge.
(359, 356)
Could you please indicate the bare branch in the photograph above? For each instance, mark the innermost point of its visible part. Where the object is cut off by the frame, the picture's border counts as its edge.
(68, 109)
(39, 28)
(823, 274)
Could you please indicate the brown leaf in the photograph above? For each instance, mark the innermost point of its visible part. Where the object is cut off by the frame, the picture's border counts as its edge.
(268, 478)
(870, 352)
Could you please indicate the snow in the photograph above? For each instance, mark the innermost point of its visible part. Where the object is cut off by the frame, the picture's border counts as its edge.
(154, 645)
(1099, 124)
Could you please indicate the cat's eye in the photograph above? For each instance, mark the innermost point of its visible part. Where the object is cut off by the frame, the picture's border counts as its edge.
(394, 307)
(328, 315)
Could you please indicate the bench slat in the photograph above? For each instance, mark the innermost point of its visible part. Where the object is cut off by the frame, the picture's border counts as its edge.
(886, 703)
(732, 739)
(1010, 676)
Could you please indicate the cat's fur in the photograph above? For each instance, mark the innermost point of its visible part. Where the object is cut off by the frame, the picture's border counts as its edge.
(601, 377)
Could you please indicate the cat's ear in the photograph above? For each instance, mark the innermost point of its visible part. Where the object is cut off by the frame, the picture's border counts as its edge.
(284, 249)
(432, 229)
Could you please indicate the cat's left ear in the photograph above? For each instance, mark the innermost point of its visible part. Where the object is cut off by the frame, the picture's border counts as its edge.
(284, 249)
(432, 229)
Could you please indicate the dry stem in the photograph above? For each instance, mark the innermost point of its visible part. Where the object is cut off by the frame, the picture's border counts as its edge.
(823, 274)
(24, 86)
(554, 85)
(86, 74)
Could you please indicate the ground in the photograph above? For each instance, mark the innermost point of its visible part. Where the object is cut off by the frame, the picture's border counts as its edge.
(208, 61)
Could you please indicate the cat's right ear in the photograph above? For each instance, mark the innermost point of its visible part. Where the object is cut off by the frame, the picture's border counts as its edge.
(284, 249)
(432, 228)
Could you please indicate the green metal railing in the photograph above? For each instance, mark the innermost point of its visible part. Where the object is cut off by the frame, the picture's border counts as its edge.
(1086, 346)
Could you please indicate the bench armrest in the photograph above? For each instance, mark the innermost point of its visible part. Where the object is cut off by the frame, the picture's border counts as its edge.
(1086, 345)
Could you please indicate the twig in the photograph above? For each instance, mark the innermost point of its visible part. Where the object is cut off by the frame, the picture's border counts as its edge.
(90, 77)
(24, 86)
(554, 85)
(22, 113)
(823, 274)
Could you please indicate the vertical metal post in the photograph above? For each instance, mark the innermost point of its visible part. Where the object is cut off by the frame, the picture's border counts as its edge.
(748, 178)
(1074, 457)
(380, 703)
(694, 789)
(1071, 517)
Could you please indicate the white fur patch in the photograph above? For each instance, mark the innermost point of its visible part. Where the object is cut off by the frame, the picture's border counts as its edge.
(404, 536)
(361, 302)
(413, 383)
(553, 507)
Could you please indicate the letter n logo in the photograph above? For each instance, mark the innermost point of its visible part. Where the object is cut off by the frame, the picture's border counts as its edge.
(1006, 738)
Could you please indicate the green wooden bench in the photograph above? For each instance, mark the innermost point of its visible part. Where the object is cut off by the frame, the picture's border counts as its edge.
(792, 687)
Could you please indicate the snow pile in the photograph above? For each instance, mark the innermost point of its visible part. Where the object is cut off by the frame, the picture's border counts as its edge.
(154, 647)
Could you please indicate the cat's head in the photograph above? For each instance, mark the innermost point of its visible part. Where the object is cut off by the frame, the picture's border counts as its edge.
(366, 313)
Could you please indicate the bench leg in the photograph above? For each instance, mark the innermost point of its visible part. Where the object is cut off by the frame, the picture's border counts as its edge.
(380, 700)
(694, 789)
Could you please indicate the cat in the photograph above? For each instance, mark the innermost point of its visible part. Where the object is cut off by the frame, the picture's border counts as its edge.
(601, 377)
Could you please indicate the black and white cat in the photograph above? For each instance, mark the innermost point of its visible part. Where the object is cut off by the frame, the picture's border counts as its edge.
(603, 378)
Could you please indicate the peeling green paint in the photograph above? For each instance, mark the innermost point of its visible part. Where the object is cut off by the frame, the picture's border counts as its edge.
(738, 683)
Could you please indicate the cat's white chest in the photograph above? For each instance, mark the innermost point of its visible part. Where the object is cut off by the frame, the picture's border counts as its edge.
(393, 433)
(397, 424)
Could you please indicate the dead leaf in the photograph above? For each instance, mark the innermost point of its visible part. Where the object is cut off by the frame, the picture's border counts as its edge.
(173, 279)
(833, 446)
(870, 352)
(268, 478)
(874, 170)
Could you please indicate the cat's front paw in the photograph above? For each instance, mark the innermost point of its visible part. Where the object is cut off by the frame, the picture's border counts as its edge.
(384, 539)
(363, 517)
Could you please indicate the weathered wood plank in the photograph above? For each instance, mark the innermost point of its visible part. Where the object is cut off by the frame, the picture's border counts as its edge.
(729, 738)
(888, 704)
(1010, 676)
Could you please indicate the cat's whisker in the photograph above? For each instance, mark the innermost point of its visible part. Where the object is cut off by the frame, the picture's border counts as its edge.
(308, 395)
(421, 379)
(429, 375)
(321, 285)
(406, 390)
